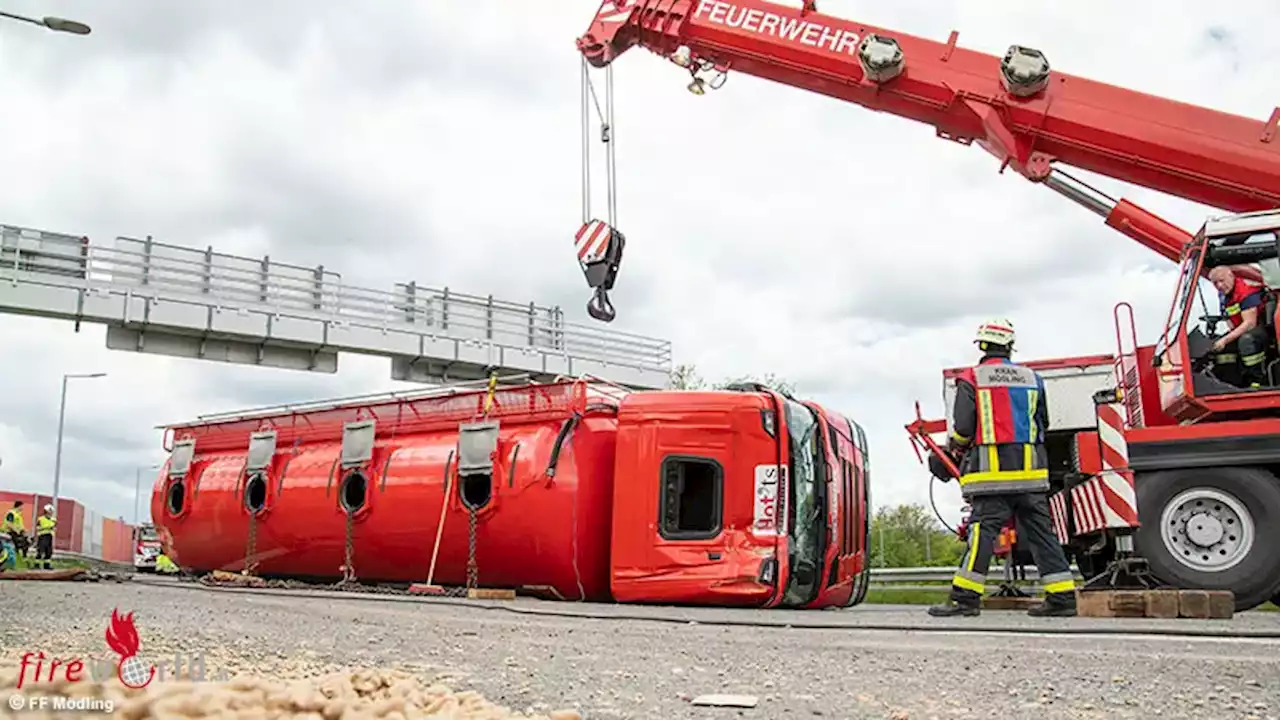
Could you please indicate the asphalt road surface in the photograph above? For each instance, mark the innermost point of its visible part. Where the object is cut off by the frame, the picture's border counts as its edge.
(629, 666)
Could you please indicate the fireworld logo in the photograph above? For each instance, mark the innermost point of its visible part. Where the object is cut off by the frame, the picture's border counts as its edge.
(128, 667)
(122, 637)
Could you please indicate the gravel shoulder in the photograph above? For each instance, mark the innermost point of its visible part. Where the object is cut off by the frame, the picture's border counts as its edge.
(629, 667)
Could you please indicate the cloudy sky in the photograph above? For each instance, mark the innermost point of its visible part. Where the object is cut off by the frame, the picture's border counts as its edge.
(770, 230)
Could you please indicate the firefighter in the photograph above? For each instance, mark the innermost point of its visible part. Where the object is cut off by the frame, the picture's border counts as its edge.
(1242, 351)
(998, 424)
(45, 525)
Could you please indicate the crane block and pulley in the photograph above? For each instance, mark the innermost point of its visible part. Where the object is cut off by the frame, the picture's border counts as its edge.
(598, 242)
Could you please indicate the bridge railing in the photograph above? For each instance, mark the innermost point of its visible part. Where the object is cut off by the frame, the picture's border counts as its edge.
(174, 281)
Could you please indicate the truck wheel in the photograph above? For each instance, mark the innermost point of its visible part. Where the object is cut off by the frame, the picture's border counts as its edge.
(1212, 529)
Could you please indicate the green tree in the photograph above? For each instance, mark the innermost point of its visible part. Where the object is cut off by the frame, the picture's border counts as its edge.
(911, 536)
(686, 377)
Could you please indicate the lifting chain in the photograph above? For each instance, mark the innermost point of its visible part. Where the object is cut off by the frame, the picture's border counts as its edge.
(473, 571)
(348, 568)
(251, 547)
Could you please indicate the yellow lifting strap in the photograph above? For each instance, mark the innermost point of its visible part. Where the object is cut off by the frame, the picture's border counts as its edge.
(493, 386)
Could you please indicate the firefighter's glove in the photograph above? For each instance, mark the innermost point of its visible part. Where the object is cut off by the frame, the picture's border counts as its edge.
(939, 468)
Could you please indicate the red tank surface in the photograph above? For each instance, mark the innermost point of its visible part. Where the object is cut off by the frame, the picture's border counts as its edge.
(544, 503)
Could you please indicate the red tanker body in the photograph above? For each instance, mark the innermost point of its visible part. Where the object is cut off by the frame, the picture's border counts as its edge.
(532, 528)
(563, 482)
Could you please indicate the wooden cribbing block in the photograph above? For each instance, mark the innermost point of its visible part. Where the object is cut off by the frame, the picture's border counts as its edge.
(1111, 603)
(1166, 604)
(1206, 604)
(1161, 603)
(491, 594)
(1003, 602)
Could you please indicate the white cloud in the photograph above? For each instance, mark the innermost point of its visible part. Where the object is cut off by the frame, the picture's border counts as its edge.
(770, 229)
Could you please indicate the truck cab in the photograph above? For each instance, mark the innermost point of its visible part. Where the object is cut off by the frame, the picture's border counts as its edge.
(744, 497)
(146, 547)
(1192, 384)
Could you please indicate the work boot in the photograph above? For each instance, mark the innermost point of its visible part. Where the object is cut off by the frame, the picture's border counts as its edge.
(1055, 605)
(951, 608)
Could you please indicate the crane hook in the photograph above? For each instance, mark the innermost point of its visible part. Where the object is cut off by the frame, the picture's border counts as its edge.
(599, 306)
(599, 248)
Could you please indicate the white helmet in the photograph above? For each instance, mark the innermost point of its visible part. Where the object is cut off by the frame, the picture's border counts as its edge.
(48, 508)
(996, 332)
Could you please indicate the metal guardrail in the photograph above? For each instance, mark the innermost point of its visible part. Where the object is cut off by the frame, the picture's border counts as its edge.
(144, 283)
(91, 561)
(882, 576)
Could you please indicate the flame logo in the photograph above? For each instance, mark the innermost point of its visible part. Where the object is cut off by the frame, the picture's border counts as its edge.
(122, 638)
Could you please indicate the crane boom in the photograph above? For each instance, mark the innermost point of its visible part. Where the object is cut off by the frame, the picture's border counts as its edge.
(1025, 114)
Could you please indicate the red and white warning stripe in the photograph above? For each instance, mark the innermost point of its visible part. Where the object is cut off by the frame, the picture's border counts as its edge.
(1107, 500)
(1118, 493)
(592, 241)
(1087, 506)
(1058, 513)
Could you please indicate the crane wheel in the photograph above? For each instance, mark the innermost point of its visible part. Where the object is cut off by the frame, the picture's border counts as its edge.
(1212, 529)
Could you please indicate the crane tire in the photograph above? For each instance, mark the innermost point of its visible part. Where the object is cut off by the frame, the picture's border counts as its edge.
(1223, 523)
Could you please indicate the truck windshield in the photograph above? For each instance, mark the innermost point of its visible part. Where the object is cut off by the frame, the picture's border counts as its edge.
(1187, 284)
(805, 516)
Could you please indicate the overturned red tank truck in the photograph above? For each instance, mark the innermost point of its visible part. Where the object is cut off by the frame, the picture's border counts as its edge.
(574, 490)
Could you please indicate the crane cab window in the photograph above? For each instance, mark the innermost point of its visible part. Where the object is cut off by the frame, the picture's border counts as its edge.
(690, 504)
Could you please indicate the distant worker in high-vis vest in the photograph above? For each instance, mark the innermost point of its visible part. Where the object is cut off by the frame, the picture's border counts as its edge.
(15, 527)
(46, 524)
(997, 438)
(165, 565)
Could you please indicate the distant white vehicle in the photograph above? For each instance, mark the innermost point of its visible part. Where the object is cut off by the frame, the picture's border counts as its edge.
(146, 546)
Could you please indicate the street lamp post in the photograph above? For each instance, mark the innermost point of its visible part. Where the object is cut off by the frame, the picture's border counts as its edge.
(62, 417)
(55, 24)
(137, 491)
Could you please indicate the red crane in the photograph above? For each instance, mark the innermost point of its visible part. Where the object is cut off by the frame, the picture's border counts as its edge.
(1030, 117)
(1167, 439)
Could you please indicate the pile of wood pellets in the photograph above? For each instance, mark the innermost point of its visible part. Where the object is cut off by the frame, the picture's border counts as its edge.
(359, 695)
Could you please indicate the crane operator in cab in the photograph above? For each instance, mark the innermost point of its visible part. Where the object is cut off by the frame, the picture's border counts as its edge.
(999, 421)
(1242, 352)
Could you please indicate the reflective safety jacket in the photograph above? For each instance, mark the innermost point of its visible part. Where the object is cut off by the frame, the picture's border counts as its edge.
(999, 420)
(13, 522)
(45, 525)
(1244, 295)
(164, 564)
